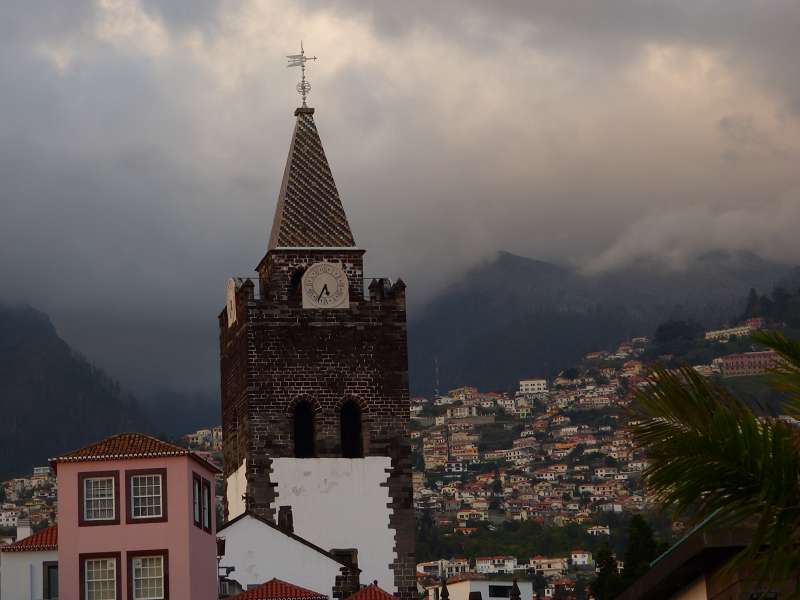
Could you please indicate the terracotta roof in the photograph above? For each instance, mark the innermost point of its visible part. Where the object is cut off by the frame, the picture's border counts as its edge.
(46, 539)
(309, 211)
(371, 592)
(129, 445)
(278, 590)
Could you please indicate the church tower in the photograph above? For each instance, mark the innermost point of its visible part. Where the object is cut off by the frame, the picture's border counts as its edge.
(314, 369)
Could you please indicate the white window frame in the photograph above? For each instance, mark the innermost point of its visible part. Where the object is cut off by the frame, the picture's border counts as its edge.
(87, 499)
(134, 578)
(113, 579)
(160, 496)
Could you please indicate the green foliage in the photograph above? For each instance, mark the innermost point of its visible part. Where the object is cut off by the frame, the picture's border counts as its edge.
(641, 549)
(521, 539)
(711, 456)
(608, 584)
(676, 330)
(781, 306)
(496, 436)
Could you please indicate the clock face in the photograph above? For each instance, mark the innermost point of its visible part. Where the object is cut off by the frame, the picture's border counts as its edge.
(325, 286)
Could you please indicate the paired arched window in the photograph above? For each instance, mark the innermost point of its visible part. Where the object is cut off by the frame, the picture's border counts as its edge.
(304, 430)
(350, 423)
(351, 430)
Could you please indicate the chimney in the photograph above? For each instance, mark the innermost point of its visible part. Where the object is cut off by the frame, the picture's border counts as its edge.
(23, 529)
(348, 556)
(285, 519)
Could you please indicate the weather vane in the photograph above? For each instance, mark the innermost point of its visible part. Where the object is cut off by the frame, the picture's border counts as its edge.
(299, 60)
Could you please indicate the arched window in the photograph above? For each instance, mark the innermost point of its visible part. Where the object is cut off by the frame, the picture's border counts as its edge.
(303, 430)
(350, 420)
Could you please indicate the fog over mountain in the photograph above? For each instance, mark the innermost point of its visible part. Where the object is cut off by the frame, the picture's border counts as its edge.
(142, 145)
(512, 317)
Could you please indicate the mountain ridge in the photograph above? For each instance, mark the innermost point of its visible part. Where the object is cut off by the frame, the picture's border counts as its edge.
(514, 317)
(52, 399)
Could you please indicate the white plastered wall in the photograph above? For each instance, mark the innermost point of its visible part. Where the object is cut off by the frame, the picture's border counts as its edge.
(341, 503)
(259, 552)
(22, 575)
(235, 491)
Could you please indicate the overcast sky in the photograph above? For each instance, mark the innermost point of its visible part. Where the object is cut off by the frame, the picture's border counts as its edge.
(142, 146)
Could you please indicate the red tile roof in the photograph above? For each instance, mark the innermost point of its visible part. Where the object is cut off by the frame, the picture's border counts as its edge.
(46, 539)
(371, 592)
(275, 589)
(129, 445)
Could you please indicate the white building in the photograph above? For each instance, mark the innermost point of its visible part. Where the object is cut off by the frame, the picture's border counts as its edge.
(259, 550)
(533, 386)
(444, 567)
(723, 335)
(495, 589)
(29, 567)
(8, 518)
(495, 564)
(549, 567)
(581, 558)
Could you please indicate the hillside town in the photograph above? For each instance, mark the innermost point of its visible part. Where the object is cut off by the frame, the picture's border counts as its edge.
(556, 452)
(399, 300)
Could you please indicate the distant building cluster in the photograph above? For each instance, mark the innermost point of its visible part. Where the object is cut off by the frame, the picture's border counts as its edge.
(205, 439)
(556, 452)
(28, 499)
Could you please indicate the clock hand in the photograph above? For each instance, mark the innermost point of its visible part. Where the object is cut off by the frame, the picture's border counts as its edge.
(323, 291)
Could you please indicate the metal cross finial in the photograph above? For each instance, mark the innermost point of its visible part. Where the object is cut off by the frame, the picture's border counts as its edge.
(299, 60)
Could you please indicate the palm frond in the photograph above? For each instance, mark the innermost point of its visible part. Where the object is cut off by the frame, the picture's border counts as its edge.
(711, 455)
(786, 376)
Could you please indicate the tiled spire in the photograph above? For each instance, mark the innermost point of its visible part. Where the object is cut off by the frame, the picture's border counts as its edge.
(309, 211)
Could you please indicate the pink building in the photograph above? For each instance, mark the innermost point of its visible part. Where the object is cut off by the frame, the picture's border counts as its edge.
(749, 363)
(136, 521)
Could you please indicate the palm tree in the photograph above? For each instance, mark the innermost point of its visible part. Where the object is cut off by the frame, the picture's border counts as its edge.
(711, 456)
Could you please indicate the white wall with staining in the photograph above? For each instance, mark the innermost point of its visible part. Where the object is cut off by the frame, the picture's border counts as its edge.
(259, 551)
(341, 503)
(235, 491)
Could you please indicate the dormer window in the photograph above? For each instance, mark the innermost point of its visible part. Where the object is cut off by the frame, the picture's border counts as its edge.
(99, 498)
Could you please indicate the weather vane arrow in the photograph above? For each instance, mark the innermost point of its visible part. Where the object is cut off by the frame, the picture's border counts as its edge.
(299, 60)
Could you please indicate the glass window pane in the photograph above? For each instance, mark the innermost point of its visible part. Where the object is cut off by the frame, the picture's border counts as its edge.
(101, 579)
(148, 578)
(146, 496)
(196, 500)
(206, 505)
(98, 498)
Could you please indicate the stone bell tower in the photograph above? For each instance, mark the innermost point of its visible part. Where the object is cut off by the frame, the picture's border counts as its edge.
(315, 401)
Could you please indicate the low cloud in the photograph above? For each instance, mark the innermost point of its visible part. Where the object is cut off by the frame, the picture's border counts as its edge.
(142, 145)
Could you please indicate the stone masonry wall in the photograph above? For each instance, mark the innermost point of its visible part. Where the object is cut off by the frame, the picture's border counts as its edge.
(279, 354)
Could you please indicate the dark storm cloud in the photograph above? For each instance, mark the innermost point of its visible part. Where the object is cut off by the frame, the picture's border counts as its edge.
(142, 145)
